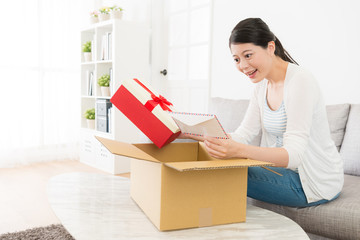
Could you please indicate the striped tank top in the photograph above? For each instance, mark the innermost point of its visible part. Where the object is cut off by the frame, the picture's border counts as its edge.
(275, 122)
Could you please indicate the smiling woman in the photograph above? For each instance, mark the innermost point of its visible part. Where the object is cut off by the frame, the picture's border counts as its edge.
(288, 109)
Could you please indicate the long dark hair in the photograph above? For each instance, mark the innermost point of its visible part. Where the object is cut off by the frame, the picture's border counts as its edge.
(257, 32)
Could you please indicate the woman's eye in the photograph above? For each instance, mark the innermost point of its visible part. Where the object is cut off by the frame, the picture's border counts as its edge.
(236, 60)
(248, 55)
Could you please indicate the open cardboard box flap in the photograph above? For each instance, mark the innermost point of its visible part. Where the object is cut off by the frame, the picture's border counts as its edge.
(125, 149)
(185, 158)
(215, 164)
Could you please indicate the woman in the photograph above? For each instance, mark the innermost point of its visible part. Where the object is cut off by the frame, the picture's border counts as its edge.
(288, 108)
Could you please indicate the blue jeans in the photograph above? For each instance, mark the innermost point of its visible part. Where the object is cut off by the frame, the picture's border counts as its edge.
(283, 190)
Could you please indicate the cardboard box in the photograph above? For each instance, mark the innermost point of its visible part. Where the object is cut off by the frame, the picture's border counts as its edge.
(181, 186)
(147, 110)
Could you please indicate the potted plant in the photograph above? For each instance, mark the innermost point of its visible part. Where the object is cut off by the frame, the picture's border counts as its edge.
(104, 82)
(94, 17)
(86, 48)
(104, 14)
(90, 118)
(116, 12)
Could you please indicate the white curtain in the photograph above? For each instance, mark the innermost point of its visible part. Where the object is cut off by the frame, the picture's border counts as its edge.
(40, 80)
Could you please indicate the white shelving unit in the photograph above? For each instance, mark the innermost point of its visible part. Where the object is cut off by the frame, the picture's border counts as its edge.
(128, 58)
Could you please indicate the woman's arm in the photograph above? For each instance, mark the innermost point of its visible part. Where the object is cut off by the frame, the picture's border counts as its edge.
(251, 124)
(229, 148)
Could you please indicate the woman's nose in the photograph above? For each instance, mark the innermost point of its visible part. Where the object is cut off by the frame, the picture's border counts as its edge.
(243, 65)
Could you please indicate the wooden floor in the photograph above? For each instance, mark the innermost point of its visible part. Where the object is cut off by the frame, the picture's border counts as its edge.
(23, 200)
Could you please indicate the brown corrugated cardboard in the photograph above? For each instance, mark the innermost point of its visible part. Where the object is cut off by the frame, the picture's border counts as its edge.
(181, 186)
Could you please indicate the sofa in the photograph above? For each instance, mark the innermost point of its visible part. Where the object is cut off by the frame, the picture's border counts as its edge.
(338, 219)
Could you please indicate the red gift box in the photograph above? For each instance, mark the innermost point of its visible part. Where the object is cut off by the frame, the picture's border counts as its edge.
(147, 110)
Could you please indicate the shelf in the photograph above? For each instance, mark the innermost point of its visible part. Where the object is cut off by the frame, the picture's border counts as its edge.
(95, 97)
(102, 97)
(104, 61)
(95, 132)
(97, 62)
(86, 96)
(104, 24)
(128, 40)
(87, 63)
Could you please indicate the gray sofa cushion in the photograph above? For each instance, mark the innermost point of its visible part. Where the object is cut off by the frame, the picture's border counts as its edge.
(339, 219)
(337, 117)
(350, 149)
(230, 114)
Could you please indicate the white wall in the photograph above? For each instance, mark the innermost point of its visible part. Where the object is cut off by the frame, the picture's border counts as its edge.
(322, 35)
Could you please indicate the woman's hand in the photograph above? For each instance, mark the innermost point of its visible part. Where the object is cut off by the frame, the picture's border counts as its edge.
(222, 148)
(189, 136)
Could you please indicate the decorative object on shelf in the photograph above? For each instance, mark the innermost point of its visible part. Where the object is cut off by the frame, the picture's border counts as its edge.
(86, 48)
(106, 46)
(104, 83)
(103, 114)
(90, 118)
(116, 12)
(94, 17)
(104, 14)
(89, 83)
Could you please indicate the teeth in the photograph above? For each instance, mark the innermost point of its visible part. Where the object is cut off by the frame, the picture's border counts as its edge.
(251, 72)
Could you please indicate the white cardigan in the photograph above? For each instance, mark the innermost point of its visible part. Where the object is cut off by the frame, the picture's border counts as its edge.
(307, 137)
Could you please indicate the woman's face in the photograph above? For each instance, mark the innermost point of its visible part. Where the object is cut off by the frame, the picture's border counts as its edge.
(254, 61)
